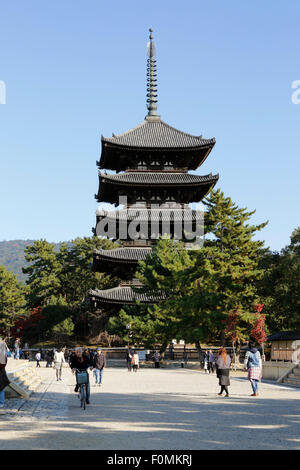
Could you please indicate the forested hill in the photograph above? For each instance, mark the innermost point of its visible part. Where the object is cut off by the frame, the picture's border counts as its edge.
(12, 256)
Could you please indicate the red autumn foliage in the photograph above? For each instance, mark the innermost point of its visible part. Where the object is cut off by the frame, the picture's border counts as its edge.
(27, 322)
(258, 331)
(231, 325)
(259, 307)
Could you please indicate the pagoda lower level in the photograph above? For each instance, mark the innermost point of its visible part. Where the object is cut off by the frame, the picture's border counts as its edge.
(151, 188)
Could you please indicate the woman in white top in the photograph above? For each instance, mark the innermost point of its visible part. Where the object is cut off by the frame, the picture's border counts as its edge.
(135, 361)
(59, 360)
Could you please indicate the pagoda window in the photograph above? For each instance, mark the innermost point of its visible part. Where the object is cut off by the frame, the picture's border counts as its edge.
(142, 165)
(141, 201)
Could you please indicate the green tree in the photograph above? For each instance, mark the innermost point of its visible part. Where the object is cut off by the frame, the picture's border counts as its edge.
(163, 275)
(12, 300)
(76, 276)
(63, 330)
(61, 277)
(43, 273)
(198, 288)
(280, 286)
(223, 275)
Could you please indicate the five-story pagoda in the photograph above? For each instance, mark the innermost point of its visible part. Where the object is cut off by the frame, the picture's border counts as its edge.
(152, 183)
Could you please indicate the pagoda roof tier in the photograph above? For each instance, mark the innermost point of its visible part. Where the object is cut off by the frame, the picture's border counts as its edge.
(123, 255)
(154, 138)
(121, 295)
(155, 133)
(154, 186)
(121, 262)
(121, 158)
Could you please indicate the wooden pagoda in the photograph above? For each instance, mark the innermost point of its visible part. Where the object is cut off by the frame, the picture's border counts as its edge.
(151, 164)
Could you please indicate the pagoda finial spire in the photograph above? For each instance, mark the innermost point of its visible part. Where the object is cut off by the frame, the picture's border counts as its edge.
(151, 77)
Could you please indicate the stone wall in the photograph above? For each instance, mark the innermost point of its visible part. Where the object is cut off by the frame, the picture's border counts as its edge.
(272, 370)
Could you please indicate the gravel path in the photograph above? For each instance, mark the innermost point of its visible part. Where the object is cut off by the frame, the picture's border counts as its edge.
(153, 409)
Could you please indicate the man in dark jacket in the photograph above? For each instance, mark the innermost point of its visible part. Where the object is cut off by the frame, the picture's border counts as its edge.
(129, 356)
(99, 364)
(82, 363)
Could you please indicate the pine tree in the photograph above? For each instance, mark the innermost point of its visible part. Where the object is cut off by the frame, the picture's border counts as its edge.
(198, 288)
(43, 273)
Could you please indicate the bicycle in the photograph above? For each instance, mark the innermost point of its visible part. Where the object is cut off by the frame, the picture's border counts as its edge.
(82, 379)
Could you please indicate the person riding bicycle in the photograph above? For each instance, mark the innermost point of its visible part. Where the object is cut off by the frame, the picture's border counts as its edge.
(82, 363)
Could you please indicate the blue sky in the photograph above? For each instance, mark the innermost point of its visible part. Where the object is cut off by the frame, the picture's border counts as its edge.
(75, 70)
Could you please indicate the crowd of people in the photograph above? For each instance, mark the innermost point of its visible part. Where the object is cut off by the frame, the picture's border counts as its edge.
(82, 359)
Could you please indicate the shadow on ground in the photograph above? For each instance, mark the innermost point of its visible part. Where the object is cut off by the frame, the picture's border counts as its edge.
(159, 421)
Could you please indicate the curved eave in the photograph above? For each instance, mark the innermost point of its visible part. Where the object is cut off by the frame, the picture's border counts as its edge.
(109, 150)
(121, 146)
(122, 255)
(109, 188)
(119, 296)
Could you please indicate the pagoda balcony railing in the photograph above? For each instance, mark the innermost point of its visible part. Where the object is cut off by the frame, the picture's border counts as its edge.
(132, 282)
(139, 242)
(167, 169)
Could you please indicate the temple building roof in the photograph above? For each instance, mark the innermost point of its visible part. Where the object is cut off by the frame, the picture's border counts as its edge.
(113, 261)
(161, 185)
(157, 178)
(120, 295)
(155, 133)
(285, 335)
(127, 254)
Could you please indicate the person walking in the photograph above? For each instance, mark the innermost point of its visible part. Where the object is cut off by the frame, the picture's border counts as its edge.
(129, 355)
(52, 352)
(185, 358)
(253, 364)
(223, 367)
(135, 361)
(59, 360)
(211, 361)
(38, 357)
(17, 349)
(206, 361)
(156, 357)
(3, 377)
(99, 362)
(48, 358)
(86, 353)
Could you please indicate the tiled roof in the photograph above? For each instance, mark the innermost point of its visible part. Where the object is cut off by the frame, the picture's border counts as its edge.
(120, 295)
(126, 253)
(157, 178)
(149, 214)
(285, 335)
(153, 132)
